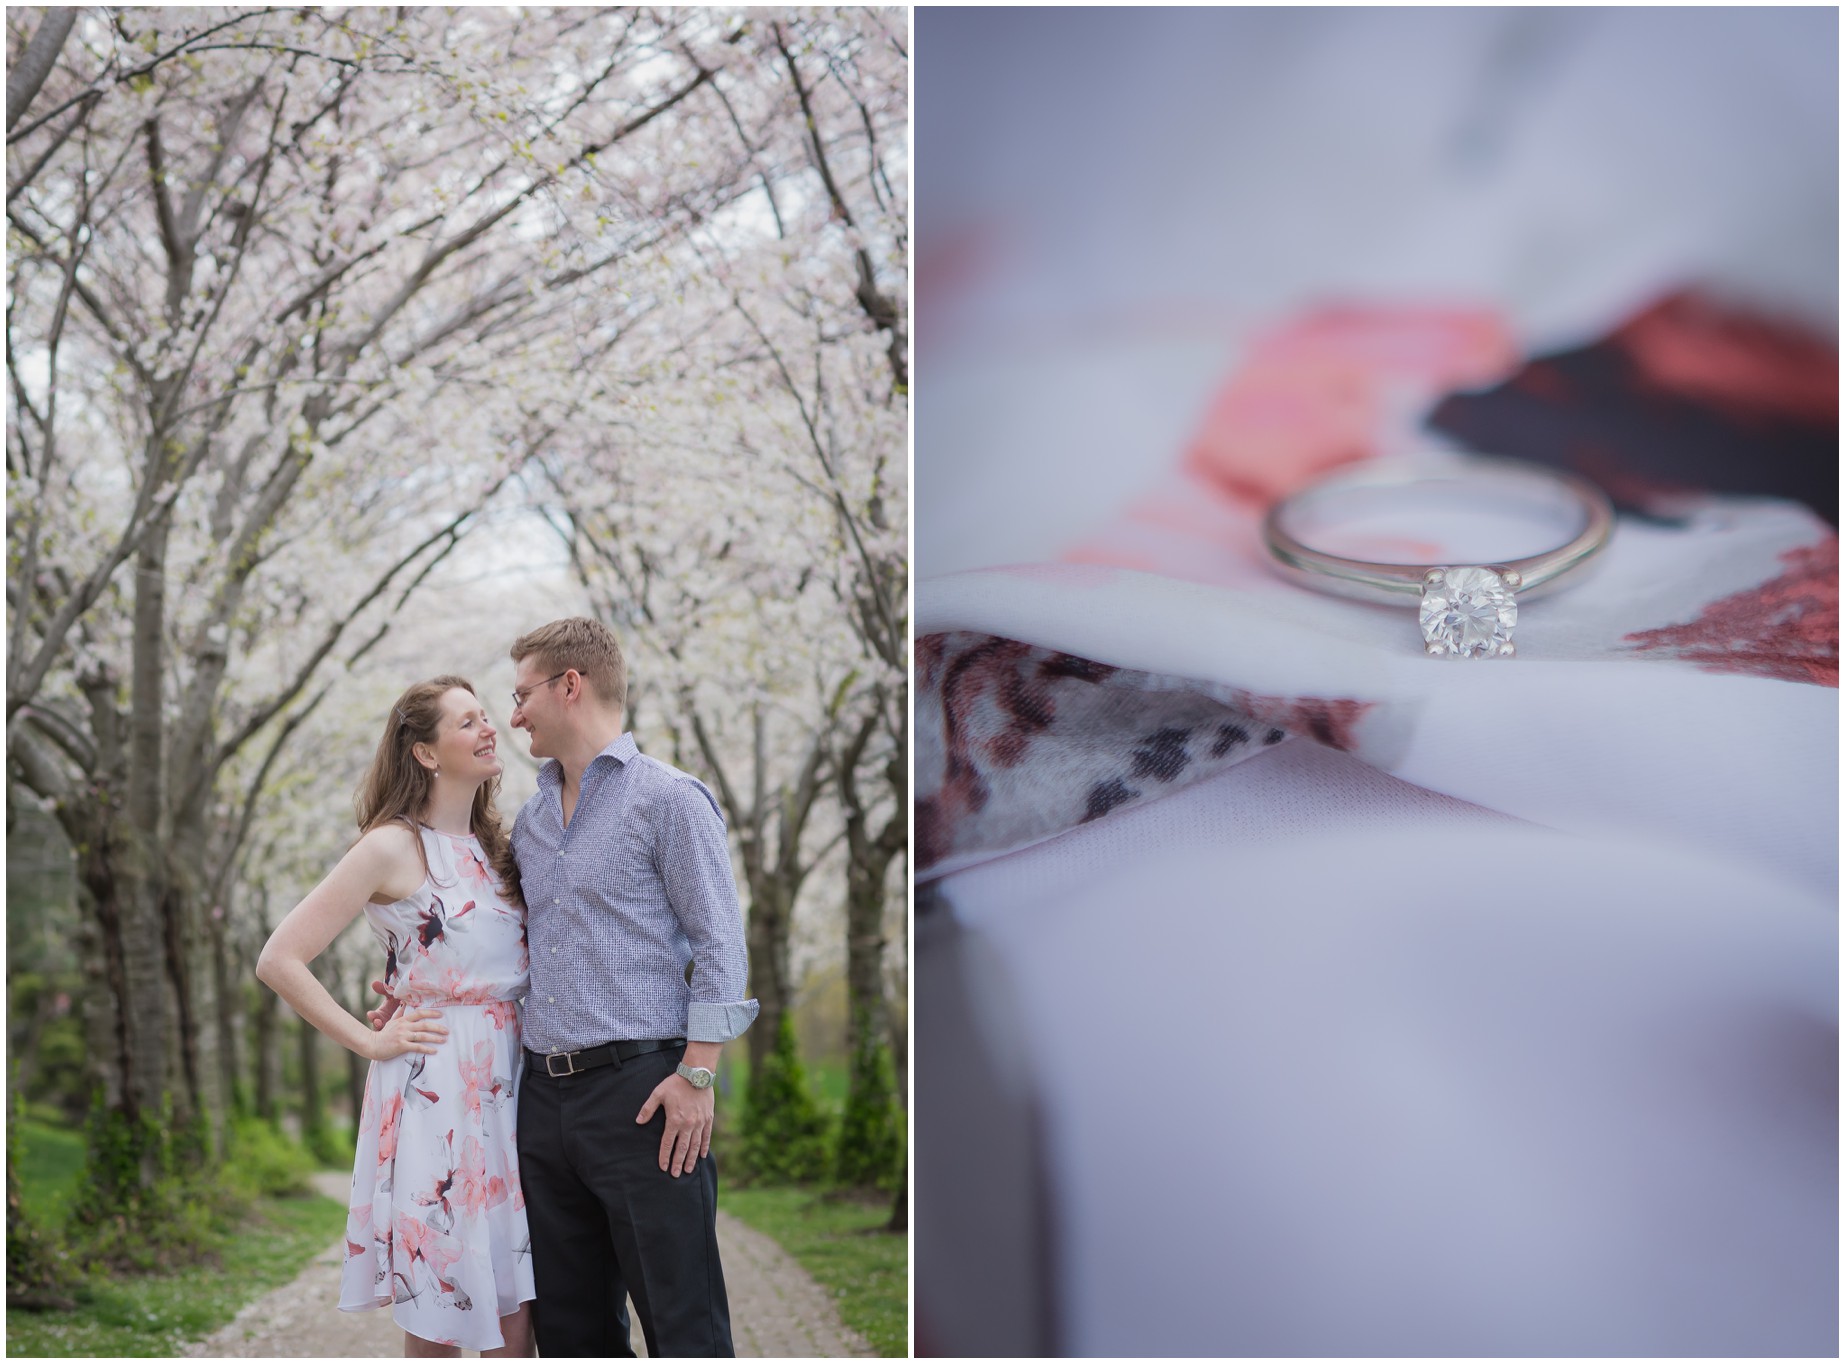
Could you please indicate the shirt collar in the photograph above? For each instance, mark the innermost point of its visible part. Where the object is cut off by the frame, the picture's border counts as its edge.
(620, 751)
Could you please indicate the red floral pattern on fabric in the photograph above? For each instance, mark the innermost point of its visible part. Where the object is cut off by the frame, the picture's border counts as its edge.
(1332, 723)
(1016, 743)
(1748, 366)
(1787, 627)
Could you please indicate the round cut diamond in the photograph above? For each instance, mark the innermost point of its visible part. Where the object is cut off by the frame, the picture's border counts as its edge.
(1468, 611)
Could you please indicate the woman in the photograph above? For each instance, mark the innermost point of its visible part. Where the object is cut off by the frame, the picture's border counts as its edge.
(437, 1225)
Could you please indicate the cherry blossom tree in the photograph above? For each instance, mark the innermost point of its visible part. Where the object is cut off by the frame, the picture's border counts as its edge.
(295, 295)
(741, 517)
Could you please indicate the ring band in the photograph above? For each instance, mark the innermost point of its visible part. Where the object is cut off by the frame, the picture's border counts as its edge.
(1467, 609)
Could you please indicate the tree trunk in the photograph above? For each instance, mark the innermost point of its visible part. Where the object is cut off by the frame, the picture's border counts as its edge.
(868, 860)
(267, 1019)
(770, 905)
(139, 894)
(227, 982)
(183, 985)
(357, 1067)
(192, 958)
(129, 918)
(313, 1104)
(101, 1007)
(900, 1057)
(866, 868)
(900, 1205)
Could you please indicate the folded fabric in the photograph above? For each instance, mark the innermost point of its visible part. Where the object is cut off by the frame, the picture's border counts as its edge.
(1318, 997)
(1685, 690)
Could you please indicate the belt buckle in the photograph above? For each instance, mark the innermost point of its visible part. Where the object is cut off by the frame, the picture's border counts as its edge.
(551, 1069)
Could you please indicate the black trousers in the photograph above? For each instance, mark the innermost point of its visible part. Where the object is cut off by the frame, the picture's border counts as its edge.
(606, 1221)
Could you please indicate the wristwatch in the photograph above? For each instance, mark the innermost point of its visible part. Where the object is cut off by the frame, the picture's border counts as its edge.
(696, 1076)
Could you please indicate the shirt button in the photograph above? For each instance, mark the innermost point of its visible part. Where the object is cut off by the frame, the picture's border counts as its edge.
(556, 901)
(550, 999)
(554, 951)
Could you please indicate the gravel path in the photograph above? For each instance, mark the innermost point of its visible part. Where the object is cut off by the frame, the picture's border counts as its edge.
(776, 1309)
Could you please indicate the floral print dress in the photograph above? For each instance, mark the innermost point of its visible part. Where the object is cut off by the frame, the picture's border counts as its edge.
(437, 1225)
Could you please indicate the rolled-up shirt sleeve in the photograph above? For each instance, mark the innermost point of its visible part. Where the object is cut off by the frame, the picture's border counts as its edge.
(695, 867)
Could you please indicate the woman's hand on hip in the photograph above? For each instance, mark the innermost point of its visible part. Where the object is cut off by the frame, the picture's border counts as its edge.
(418, 1030)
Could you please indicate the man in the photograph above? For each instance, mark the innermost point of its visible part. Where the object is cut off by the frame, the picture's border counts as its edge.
(627, 880)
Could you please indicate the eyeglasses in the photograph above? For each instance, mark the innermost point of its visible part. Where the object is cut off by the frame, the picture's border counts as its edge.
(520, 695)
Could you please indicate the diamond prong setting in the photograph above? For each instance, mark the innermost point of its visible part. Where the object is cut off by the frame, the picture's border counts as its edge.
(1469, 612)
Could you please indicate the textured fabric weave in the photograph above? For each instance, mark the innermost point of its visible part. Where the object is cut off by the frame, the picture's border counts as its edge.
(620, 900)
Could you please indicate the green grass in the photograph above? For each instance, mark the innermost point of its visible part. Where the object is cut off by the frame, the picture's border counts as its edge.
(157, 1314)
(145, 1315)
(50, 1159)
(843, 1244)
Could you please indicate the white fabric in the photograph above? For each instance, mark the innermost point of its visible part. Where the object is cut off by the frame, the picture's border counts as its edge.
(1135, 191)
(1585, 1112)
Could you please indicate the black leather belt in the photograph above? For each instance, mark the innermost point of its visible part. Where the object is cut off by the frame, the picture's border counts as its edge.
(608, 1054)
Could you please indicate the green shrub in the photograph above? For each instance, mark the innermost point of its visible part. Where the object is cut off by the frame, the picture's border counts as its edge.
(870, 1147)
(260, 1162)
(330, 1144)
(148, 1198)
(40, 1271)
(60, 1079)
(783, 1137)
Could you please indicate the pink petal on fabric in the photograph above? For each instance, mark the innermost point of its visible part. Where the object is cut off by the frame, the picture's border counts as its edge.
(414, 1238)
(387, 1129)
(1442, 347)
(1312, 394)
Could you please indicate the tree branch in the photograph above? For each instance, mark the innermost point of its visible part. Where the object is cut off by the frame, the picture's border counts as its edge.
(124, 78)
(37, 766)
(268, 710)
(41, 54)
(254, 791)
(31, 172)
(441, 251)
(62, 731)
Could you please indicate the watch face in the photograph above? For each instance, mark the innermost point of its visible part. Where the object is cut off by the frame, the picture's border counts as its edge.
(697, 1076)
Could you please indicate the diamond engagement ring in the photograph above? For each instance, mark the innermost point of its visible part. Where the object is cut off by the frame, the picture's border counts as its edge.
(1468, 609)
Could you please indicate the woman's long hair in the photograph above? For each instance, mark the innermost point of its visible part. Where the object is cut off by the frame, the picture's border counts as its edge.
(398, 787)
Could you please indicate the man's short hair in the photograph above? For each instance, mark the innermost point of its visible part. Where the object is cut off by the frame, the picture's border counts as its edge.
(587, 645)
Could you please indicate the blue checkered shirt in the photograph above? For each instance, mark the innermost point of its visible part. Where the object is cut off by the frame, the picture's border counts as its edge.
(619, 901)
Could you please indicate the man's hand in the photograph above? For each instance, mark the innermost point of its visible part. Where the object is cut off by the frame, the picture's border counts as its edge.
(689, 1115)
(381, 1015)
